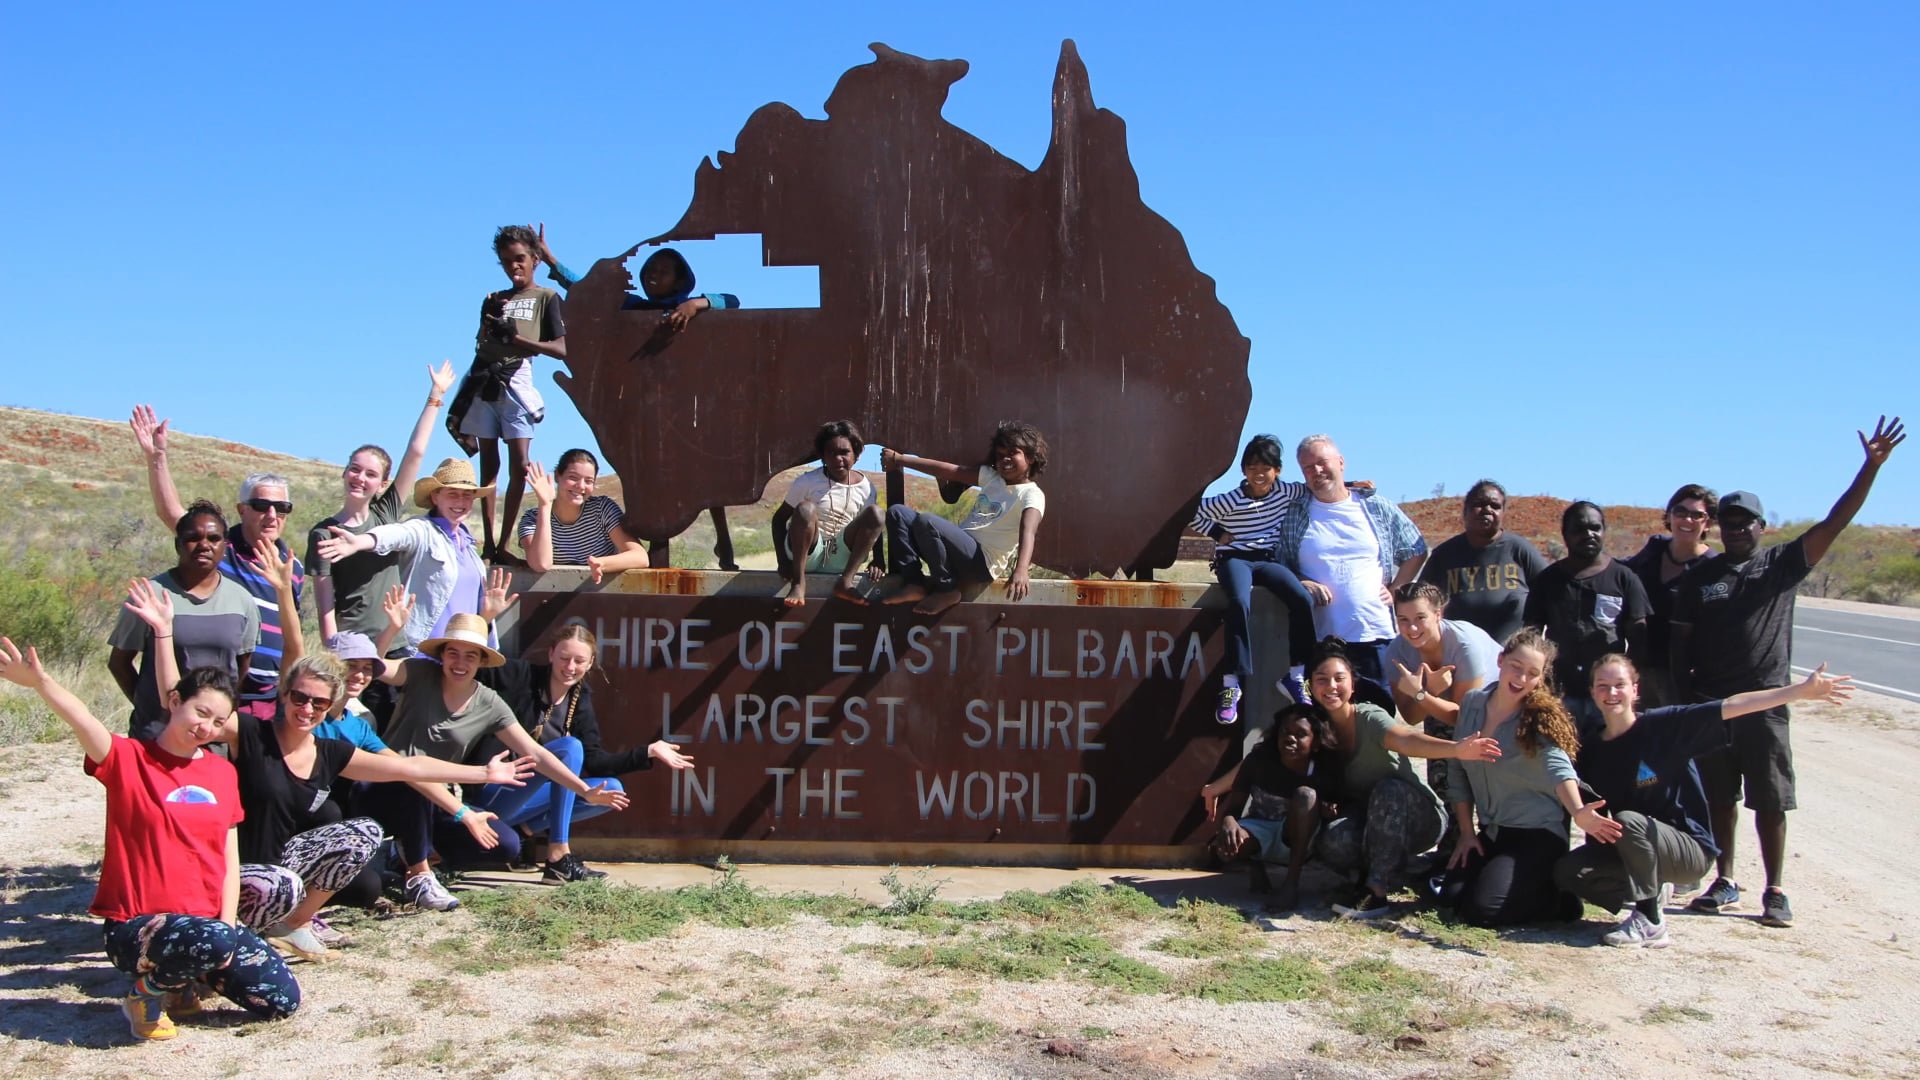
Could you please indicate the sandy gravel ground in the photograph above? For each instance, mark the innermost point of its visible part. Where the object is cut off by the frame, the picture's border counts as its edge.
(1839, 994)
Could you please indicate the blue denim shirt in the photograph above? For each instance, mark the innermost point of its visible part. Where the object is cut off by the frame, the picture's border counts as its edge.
(429, 569)
(1399, 537)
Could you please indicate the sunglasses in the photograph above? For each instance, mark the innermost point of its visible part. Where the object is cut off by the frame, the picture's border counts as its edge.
(301, 700)
(278, 506)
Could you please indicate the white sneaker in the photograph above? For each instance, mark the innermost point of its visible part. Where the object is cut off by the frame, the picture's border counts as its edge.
(425, 891)
(1666, 895)
(300, 942)
(1636, 931)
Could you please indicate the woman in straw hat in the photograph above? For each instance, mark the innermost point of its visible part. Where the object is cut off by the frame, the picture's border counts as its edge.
(439, 566)
(446, 713)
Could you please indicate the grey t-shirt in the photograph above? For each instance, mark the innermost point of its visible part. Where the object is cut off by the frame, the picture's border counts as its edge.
(362, 578)
(1372, 762)
(1473, 655)
(1486, 586)
(214, 632)
(422, 725)
(1516, 791)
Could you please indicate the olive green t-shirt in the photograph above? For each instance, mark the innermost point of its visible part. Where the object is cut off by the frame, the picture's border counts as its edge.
(1372, 762)
(422, 725)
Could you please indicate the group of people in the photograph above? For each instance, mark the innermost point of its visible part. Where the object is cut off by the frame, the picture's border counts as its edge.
(262, 780)
(1636, 699)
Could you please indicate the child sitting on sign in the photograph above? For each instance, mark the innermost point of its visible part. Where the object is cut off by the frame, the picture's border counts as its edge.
(829, 521)
(1285, 779)
(667, 281)
(498, 400)
(995, 541)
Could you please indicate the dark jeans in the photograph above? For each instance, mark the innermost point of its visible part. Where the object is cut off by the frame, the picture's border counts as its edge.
(1648, 854)
(951, 556)
(1238, 575)
(168, 952)
(420, 828)
(1512, 883)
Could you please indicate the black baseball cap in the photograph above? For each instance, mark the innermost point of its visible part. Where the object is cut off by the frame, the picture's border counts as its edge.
(1742, 500)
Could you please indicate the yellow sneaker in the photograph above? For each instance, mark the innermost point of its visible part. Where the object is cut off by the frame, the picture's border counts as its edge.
(183, 1004)
(147, 1017)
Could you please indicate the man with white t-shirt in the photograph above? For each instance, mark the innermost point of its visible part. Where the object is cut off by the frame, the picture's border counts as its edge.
(1351, 548)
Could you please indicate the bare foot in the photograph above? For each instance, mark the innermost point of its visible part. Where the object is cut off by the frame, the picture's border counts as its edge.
(937, 603)
(845, 591)
(796, 593)
(909, 593)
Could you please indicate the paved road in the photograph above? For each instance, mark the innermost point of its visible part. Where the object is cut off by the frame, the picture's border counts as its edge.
(1881, 651)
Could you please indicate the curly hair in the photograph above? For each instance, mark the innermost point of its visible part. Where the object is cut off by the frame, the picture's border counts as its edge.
(1541, 713)
(183, 528)
(837, 429)
(515, 234)
(1014, 435)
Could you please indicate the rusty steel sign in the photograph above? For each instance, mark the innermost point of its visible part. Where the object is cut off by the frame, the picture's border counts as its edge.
(1019, 724)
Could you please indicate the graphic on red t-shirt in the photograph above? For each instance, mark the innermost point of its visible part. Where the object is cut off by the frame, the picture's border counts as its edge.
(167, 823)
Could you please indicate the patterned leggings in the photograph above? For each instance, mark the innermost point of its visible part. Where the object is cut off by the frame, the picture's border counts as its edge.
(168, 952)
(326, 859)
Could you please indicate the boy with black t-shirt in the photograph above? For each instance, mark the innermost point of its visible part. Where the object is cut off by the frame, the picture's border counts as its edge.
(1732, 631)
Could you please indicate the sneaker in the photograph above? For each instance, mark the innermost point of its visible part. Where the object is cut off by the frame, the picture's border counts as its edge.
(425, 891)
(147, 1017)
(1295, 689)
(1774, 909)
(1371, 906)
(298, 941)
(328, 936)
(1636, 931)
(1229, 711)
(1722, 896)
(567, 868)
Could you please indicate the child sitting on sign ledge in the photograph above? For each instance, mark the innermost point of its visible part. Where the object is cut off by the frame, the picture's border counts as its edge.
(829, 521)
(995, 540)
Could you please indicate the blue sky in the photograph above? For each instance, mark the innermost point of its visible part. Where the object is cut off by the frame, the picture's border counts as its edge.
(1592, 251)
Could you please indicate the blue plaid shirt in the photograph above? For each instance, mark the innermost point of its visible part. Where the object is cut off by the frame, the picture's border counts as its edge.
(1399, 537)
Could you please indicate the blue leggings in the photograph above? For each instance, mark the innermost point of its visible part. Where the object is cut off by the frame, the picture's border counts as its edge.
(1238, 575)
(168, 952)
(543, 803)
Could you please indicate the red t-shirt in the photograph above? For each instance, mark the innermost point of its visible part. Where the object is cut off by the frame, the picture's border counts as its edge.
(167, 823)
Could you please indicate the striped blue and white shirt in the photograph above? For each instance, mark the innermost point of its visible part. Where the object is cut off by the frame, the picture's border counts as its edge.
(1253, 523)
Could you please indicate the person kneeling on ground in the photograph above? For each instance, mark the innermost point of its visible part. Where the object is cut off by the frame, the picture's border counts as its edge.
(830, 520)
(1286, 780)
(554, 705)
(1641, 766)
(170, 876)
(1502, 874)
(996, 539)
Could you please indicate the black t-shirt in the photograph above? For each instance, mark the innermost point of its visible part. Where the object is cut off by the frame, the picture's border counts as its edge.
(1649, 768)
(1486, 586)
(1267, 781)
(1742, 619)
(361, 579)
(280, 805)
(1586, 618)
(1648, 564)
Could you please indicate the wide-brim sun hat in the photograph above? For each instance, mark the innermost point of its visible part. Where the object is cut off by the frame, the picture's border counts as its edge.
(467, 630)
(454, 474)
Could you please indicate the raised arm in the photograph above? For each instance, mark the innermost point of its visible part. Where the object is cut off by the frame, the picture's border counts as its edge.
(540, 541)
(943, 471)
(151, 435)
(293, 644)
(94, 738)
(1410, 741)
(1877, 448)
(440, 380)
(398, 606)
(1817, 686)
(154, 606)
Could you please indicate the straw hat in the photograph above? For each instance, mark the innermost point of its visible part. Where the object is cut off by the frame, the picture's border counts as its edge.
(454, 474)
(467, 630)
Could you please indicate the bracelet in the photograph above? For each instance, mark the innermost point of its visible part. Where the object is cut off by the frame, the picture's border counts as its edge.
(163, 637)
(433, 401)
(461, 813)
